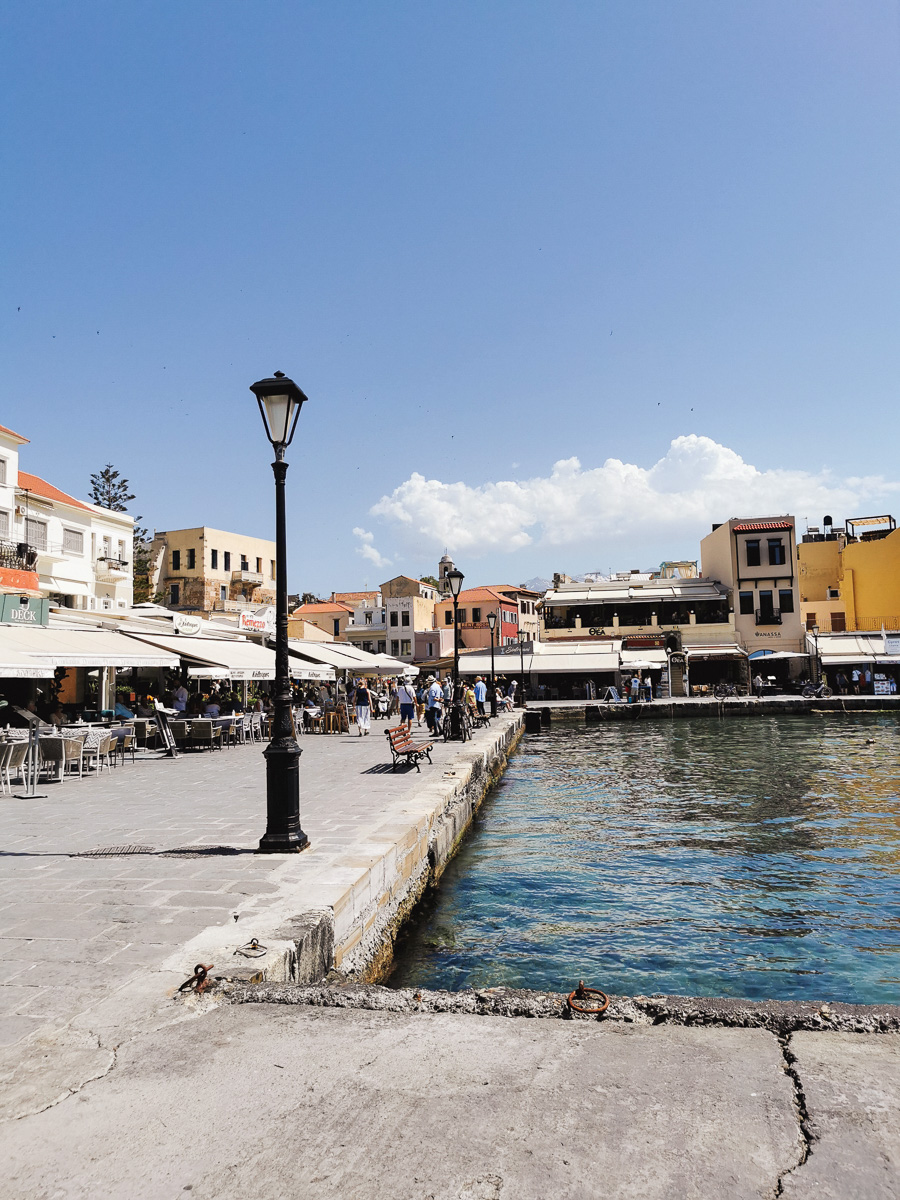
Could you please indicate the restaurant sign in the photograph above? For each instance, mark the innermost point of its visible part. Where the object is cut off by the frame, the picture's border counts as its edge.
(186, 625)
(645, 642)
(261, 621)
(24, 610)
(892, 644)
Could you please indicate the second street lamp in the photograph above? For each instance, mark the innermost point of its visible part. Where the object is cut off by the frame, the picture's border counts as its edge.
(280, 401)
(455, 579)
(522, 637)
(492, 625)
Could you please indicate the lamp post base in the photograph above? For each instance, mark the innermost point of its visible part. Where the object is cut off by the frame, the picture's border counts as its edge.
(283, 833)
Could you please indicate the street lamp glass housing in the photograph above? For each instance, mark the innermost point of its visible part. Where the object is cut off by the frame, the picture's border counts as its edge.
(280, 401)
(455, 579)
(492, 621)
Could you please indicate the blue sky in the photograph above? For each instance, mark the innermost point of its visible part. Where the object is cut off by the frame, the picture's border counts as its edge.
(485, 238)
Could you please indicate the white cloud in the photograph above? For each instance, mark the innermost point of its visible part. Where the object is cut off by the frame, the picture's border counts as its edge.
(695, 483)
(367, 548)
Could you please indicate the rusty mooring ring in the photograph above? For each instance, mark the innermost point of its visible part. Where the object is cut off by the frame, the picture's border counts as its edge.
(582, 993)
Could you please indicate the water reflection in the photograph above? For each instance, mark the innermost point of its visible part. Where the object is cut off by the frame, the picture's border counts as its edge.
(751, 857)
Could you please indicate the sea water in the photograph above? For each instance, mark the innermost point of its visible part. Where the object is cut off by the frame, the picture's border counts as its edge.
(752, 857)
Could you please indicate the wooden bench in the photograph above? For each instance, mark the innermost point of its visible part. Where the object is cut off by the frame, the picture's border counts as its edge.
(402, 746)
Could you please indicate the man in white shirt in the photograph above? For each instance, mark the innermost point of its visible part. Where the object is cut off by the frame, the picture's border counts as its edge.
(435, 706)
(180, 699)
(480, 695)
(407, 700)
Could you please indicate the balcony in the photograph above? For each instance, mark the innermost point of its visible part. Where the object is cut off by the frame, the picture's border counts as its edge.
(110, 569)
(17, 556)
(768, 616)
(242, 576)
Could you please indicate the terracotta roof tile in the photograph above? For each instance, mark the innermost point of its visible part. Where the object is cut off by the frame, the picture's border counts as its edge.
(40, 487)
(12, 433)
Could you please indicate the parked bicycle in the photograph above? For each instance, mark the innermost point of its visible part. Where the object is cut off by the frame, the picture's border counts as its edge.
(819, 691)
(722, 690)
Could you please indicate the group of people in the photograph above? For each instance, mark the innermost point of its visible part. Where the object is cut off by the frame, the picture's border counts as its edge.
(861, 682)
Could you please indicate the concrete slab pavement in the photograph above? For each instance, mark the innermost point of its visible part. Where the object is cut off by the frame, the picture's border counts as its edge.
(273, 1102)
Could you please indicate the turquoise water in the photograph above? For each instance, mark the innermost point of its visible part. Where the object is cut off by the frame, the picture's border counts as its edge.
(755, 857)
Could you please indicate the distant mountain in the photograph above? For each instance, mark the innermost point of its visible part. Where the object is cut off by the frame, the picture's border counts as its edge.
(538, 584)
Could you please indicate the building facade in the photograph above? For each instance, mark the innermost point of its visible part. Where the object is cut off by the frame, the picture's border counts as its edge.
(74, 553)
(474, 606)
(334, 618)
(850, 576)
(756, 560)
(207, 570)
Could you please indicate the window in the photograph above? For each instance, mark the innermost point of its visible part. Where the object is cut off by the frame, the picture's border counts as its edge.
(192, 559)
(36, 533)
(462, 616)
(382, 647)
(73, 541)
(4, 524)
(753, 552)
(404, 619)
(174, 594)
(2, 470)
(766, 602)
(107, 547)
(776, 552)
(226, 560)
(245, 565)
(476, 615)
(368, 620)
(834, 594)
(746, 603)
(786, 600)
(223, 593)
(336, 626)
(393, 620)
(810, 620)
(429, 649)
(448, 617)
(176, 563)
(395, 647)
(259, 566)
(272, 566)
(405, 648)
(214, 559)
(513, 617)
(121, 551)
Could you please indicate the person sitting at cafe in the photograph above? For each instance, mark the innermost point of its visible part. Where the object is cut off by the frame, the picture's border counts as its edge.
(211, 708)
(121, 710)
(145, 706)
(58, 716)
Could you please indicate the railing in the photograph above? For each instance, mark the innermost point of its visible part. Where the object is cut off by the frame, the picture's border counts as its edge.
(244, 576)
(234, 606)
(112, 563)
(17, 556)
(839, 623)
(768, 616)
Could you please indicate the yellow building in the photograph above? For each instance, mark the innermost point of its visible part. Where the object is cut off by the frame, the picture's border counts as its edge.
(207, 570)
(850, 578)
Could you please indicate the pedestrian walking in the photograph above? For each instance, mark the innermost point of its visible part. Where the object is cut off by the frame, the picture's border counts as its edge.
(435, 710)
(406, 699)
(758, 685)
(480, 695)
(362, 700)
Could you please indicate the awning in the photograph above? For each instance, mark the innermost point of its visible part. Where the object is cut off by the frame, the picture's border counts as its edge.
(60, 647)
(68, 587)
(215, 658)
(649, 660)
(20, 666)
(307, 671)
(777, 654)
(701, 652)
(345, 657)
(587, 660)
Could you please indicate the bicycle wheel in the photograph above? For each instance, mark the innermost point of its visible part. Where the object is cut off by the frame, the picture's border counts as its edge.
(826, 692)
(720, 692)
(808, 692)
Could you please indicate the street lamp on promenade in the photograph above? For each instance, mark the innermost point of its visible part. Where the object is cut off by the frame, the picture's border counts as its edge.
(455, 580)
(492, 625)
(817, 668)
(280, 401)
(522, 636)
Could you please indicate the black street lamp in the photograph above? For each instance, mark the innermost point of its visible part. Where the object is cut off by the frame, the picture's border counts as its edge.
(280, 401)
(522, 638)
(492, 625)
(455, 580)
(817, 666)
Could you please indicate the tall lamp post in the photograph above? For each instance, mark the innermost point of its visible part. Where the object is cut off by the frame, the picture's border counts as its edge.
(521, 637)
(492, 625)
(817, 670)
(455, 580)
(280, 401)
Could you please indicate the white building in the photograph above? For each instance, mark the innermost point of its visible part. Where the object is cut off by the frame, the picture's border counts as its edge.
(82, 553)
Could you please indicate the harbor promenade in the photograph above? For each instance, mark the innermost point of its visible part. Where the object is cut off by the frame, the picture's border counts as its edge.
(113, 888)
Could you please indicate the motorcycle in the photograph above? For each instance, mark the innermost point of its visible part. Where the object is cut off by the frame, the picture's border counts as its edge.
(817, 691)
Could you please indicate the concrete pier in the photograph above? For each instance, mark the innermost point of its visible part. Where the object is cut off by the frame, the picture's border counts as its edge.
(593, 711)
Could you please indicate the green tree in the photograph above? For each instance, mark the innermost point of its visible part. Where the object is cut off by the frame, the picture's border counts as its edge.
(110, 490)
(311, 598)
(429, 579)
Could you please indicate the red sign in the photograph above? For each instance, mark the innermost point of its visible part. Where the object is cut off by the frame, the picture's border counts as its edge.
(19, 580)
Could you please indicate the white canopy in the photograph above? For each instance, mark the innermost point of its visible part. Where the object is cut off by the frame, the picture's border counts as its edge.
(345, 657)
(20, 666)
(63, 647)
(715, 652)
(215, 658)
